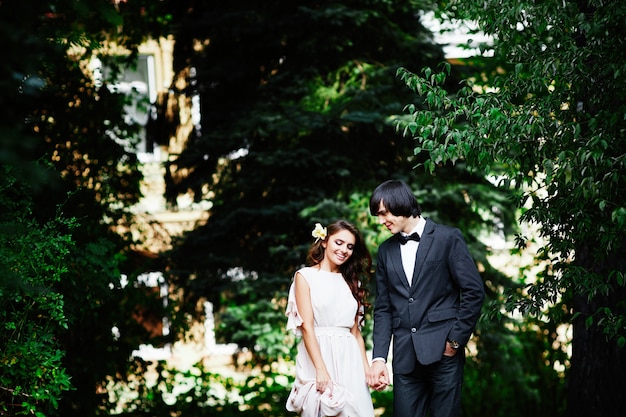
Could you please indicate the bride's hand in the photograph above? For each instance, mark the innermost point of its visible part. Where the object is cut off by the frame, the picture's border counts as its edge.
(322, 381)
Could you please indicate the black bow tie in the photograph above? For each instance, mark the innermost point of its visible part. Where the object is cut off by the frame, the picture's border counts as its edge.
(403, 239)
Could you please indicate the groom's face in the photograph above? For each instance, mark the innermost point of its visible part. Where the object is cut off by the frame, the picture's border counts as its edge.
(395, 224)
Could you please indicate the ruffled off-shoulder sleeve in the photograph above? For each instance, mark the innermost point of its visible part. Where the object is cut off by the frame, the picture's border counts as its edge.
(294, 321)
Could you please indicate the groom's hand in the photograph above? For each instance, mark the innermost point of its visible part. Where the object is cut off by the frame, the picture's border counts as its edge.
(377, 376)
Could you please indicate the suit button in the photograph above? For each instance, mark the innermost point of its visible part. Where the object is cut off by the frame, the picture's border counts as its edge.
(413, 329)
(411, 300)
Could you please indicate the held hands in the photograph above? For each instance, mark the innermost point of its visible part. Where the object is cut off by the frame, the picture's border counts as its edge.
(378, 376)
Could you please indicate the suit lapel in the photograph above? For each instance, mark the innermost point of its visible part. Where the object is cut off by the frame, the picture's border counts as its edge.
(396, 263)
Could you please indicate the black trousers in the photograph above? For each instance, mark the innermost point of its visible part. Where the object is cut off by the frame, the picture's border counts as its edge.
(435, 388)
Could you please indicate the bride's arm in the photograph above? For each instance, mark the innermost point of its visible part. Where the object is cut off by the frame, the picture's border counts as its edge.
(305, 308)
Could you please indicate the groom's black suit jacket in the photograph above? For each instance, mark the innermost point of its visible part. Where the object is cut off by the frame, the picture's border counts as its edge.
(443, 302)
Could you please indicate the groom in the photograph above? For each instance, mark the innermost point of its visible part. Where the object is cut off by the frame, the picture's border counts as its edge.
(429, 297)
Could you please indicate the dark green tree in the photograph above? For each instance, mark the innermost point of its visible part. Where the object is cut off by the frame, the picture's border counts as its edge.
(295, 99)
(65, 140)
(549, 122)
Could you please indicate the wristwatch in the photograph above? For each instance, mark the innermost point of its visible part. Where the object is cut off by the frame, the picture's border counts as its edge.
(454, 344)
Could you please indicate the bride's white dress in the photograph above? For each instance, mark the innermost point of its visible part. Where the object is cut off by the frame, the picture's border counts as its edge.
(334, 310)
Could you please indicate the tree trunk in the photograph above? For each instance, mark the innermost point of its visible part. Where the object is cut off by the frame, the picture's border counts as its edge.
(598, 365)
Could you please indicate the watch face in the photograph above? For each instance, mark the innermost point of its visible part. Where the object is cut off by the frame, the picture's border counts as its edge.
(454, 344)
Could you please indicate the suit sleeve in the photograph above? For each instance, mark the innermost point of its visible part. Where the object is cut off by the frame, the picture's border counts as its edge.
(465, 274)
(382, 309)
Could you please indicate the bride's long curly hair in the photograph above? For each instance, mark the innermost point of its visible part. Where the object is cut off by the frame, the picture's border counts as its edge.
(356, 270)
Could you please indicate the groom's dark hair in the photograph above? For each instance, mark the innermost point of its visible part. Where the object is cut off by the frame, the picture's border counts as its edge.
(397, 197)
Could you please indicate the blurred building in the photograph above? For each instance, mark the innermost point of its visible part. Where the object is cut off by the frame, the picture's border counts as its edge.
(166, 105)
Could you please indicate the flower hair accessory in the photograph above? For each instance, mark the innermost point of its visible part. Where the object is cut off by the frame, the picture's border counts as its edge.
(319, 232)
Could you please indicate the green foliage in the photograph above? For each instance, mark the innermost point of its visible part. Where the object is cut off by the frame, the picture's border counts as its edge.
(562, 145)
(56, 114)
(33, 260)
(199, 392)
(544, 117)
(254, 320)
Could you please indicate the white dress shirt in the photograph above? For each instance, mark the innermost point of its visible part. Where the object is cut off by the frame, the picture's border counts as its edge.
(408, 251)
